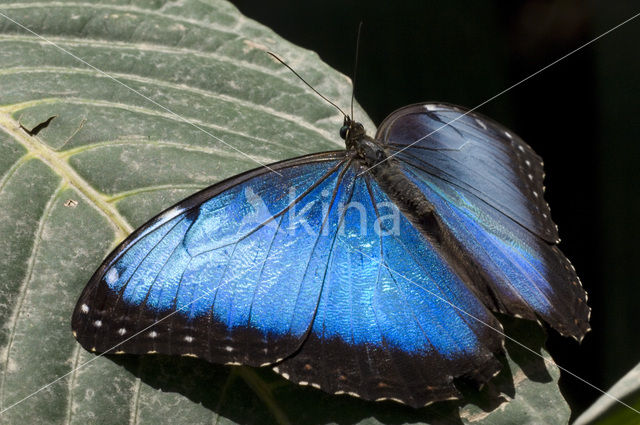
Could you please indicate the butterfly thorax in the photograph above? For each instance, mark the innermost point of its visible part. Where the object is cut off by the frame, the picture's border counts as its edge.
(389, 176)
(366, 148)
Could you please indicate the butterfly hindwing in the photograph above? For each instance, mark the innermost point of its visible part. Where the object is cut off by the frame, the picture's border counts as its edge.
(394, 320)
(486, 185)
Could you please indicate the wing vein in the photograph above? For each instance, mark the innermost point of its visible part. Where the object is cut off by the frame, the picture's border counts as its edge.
(315, 244)
(384, 342)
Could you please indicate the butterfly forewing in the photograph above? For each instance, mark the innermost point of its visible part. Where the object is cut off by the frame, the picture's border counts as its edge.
(475, 154)
(210, 273)
(486, 184)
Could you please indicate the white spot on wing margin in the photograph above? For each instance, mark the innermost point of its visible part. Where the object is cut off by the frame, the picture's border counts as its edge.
(112, 276)
(169, 214)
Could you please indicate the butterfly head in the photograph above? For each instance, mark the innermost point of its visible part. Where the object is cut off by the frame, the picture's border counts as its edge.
(356, 139)
(351, 132)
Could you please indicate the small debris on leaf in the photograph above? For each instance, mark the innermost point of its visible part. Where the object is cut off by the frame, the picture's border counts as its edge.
(35, 130)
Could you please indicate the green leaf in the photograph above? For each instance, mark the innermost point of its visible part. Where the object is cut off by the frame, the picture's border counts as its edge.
(608, 411)
(112, 158)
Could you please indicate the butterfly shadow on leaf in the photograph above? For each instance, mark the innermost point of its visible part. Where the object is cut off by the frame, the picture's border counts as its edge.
(259, 396)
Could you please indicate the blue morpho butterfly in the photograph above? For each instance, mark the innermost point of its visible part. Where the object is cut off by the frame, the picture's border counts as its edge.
(372, 271)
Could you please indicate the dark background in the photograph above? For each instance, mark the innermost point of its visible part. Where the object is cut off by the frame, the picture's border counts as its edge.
(580, 115)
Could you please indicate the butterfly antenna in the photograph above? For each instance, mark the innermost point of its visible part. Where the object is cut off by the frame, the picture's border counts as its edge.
(308, 85)
(355, 67)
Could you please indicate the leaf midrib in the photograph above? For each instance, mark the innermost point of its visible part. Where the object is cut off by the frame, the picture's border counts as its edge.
(61, 167)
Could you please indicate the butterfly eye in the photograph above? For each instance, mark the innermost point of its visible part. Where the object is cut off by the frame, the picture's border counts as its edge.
(343, 131)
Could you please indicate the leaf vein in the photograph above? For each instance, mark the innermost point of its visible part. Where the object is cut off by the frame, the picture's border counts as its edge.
(22, 294)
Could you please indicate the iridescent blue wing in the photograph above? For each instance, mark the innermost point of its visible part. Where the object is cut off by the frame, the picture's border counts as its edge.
(316, 271)
(487, 186)
(394, 320)
(218, 273)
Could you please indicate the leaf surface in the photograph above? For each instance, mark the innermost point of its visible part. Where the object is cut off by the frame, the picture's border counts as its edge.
(153, 101)
(608, 411)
